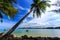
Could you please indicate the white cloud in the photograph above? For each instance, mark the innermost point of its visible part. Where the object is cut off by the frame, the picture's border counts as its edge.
(20, 7)
(6, 25)
(31, 14)
(25, 20)
(45, 19)
(53, 1)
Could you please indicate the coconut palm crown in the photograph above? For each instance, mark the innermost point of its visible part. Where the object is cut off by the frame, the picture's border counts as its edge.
(39, 6)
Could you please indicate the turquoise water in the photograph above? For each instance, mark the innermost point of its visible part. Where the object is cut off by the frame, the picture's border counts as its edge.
(37, 32)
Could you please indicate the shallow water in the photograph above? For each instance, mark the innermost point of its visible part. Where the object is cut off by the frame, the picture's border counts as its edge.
(37, 32)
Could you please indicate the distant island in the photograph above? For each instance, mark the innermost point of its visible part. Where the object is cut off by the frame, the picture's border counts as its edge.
(53, 28)
(40, 28)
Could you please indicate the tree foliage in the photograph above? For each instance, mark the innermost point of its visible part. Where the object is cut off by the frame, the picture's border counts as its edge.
(7, 8)
(39, 6)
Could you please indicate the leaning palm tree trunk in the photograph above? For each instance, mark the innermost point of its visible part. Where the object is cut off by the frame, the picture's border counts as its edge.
(16, 25)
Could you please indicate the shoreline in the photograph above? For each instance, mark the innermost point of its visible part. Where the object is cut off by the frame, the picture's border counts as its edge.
(25, 37)
(37, 36)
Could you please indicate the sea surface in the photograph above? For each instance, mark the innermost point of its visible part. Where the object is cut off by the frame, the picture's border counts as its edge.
(36, 32)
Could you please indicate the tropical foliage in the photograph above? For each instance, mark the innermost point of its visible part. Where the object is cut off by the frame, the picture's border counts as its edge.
(7, 8)
(39, 6)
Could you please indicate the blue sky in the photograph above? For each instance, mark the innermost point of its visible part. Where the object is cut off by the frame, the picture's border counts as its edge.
(23, 6)
(49, 18)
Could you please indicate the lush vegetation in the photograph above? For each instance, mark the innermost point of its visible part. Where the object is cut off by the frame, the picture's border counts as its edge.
(7, 8)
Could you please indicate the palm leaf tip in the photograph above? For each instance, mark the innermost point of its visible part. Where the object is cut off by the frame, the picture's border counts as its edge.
(10, 12)
(12, 1)
(1, 15)
(13, 11)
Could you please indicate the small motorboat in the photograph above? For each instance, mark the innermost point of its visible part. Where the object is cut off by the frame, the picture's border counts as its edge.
(27, 30)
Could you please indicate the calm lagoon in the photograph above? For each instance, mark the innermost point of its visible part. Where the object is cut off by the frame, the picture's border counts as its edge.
(37, 32)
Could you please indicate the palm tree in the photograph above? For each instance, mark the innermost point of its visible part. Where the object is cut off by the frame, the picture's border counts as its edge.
(37, 7)
(7, 8)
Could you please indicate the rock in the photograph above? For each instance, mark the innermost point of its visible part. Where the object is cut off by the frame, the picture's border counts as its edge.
(13, 36)
(24, 37)
(1, 34)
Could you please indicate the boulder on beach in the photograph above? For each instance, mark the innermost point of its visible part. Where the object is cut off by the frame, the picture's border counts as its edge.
(13, 35)
(1, 34)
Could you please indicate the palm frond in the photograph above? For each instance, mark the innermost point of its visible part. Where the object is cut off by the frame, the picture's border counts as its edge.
(7, 8)
(39, 6)
(1, 15)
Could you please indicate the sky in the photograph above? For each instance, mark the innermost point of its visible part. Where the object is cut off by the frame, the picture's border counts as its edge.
(50, 18)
